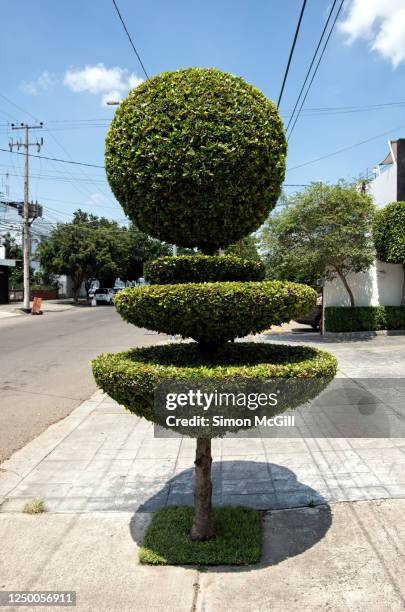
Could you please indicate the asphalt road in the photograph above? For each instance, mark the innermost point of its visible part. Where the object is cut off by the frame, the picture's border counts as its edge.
(44, 366)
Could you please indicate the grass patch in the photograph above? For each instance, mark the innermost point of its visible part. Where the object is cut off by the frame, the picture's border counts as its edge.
(238, 539)
(36, 506)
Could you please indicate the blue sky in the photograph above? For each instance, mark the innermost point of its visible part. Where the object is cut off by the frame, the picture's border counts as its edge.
(61, 59)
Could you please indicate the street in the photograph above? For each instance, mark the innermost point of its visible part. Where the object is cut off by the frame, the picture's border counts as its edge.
(44, 366)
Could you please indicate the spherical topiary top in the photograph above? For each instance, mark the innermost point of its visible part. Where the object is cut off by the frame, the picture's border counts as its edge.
(389, 233)
(196, 157)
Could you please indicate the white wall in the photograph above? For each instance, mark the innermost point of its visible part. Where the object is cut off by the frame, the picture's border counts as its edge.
(66, 287)
(380, 285)
(384, 187)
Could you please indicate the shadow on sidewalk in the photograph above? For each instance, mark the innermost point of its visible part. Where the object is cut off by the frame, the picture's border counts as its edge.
(299, 516)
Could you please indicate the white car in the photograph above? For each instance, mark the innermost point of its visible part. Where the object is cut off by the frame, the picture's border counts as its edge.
(104, 295)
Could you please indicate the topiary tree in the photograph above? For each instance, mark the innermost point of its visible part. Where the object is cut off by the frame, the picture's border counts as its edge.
(196, 158)
(389, 236)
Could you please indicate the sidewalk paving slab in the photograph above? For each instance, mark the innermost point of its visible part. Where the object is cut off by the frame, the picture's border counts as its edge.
(348, 556)
(356, 564)
(102, 458)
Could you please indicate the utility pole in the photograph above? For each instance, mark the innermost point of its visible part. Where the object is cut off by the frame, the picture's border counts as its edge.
(26, 207)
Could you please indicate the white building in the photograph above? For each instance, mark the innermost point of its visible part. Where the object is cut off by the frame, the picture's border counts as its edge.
(382, 283)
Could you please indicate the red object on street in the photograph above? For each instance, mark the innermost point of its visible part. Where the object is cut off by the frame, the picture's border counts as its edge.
(36, 306)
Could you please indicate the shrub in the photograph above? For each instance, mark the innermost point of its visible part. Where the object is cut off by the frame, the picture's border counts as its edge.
(203, 268)
(214, 312)
(364, 318)
(196, 157)
(132, 377)
(389, 233)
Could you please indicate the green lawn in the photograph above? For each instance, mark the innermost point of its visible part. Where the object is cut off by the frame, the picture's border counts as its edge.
(237, 540)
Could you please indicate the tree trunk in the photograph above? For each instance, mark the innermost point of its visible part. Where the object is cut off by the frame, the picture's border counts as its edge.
(203, 524)
(403, 287)
(346, 285)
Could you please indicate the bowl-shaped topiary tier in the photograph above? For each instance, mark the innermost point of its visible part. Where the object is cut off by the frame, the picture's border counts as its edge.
(203, 269)
(196, 157)
(213, 313)
(132, 377)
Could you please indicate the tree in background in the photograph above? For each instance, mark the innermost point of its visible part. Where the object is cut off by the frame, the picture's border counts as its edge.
(92, 247)
(141, 249)
(323, 231)
(389, 236)
(14, 251)
(282, 264)
(245, 247)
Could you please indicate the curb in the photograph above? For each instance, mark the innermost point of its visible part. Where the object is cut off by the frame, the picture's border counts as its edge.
(365, 334)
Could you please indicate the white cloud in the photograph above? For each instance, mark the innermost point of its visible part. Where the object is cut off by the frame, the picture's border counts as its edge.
(111, 83)
(134, 81)
(42, 83)
(382, 23)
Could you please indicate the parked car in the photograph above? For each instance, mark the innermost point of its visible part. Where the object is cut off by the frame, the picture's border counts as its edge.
(314, 318)
(104, 295)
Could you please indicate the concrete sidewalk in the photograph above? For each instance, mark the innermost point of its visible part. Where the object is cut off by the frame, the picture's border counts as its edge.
(14, 309)
(333, 506)
(347, 557)
(102, 458)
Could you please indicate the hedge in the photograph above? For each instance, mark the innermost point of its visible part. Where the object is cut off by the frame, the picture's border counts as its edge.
(196, 157)
(203, 268)
(389, 233)
(214, 312)
(364, 318)
(132, 377)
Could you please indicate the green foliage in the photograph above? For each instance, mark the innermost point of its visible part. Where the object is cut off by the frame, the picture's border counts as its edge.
(323, 231)
(14, 251)
(214, 312)
(196, 157)
(364, 318)
(94, 247)
(43, 279)
(389, 233)
(89, 247)
(131, 377)
(203, 268)
(238, 538)
(246, 248)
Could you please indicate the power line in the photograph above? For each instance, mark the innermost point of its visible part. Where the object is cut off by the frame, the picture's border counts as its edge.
(316, 67)
(311, 64)
(63, 179)
(357, 144)
(56, 159)
(130, 39)
(297, 29)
